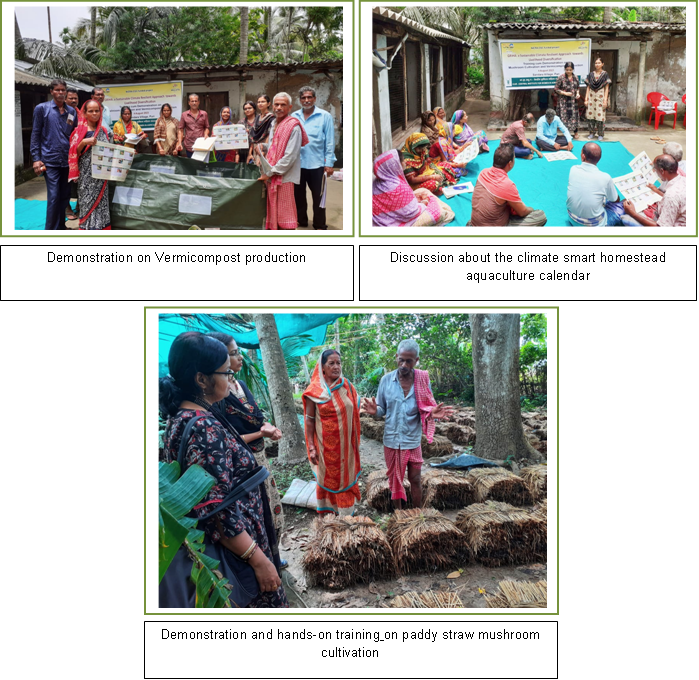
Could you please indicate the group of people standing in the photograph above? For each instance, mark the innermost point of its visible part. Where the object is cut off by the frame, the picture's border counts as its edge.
(301, 154)
(227, 440)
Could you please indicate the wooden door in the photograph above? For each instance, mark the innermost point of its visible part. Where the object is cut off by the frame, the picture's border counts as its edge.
(213, 102)
(396, 86)
(610, 59)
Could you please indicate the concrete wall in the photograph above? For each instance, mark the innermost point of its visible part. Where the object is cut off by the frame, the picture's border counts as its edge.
(666, 62)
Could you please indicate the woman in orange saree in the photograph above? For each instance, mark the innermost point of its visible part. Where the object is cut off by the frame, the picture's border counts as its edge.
(331, 419)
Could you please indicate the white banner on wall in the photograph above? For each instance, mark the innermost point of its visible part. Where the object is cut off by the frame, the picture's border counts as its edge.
(532, 64)
(145, 100)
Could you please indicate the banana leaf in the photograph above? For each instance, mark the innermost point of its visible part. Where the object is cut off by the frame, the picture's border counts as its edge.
(179, 498)
(172, 535)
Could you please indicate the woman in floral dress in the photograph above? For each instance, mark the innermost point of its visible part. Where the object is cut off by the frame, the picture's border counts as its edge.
(199, 378)
(597, 100)
(568, 91)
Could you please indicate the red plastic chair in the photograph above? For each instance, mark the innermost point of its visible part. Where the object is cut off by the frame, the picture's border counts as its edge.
(684, 101)
(655, 98)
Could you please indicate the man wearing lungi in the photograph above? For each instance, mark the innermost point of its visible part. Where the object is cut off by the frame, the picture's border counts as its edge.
(284, 157)
(405, 398)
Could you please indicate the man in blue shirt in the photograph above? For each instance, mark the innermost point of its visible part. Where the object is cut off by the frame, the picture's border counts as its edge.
(402, 435)
(551, 134)
(52, 126)
(317, 158)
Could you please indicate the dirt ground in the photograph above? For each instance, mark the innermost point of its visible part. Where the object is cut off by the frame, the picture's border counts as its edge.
(635, 141)
(35, 190)
(470, 585)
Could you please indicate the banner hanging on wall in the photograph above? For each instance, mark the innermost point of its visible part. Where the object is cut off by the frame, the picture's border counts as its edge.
(145, 100)
(532, 64)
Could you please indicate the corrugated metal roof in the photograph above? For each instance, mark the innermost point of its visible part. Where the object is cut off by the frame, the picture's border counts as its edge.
(198, 68)
(24, 77)
(409, 23)
(588, 26)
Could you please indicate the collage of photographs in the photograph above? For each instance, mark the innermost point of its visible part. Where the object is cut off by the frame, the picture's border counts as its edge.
(466, 119)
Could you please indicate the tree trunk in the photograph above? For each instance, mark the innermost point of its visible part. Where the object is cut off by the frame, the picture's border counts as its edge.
(93, 25)
(499, 431)
(306, 372)
(608, 15)
(292, 446)
(337, 334)
(48, 12)
(244, 22)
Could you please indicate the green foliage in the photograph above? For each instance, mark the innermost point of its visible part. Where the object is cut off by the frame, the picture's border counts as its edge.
(475, 75)
(284, 473)
(178, 495)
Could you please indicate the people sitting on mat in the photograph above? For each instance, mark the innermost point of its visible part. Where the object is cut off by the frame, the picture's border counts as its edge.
(552, 134)
(429, 126)
(193, 124)
(423, 171)
(674, 149)
(405, 398)
(593, 200)
(568, 90)
(466, 135)
(496, 201)
(445, 149)
(517, 136)
(671, 211)
(395, 204)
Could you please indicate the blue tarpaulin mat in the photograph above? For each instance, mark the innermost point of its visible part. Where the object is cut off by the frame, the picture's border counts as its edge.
(464, 462)
(31, 214)
(542, 184)
(312, 326)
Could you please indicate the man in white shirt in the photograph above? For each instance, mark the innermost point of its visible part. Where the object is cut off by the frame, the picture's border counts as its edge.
(98, 95)
(282, 168)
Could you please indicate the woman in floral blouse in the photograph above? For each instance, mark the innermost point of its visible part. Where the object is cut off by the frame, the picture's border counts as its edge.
(199, 378)
(568, 91)
(245, 415)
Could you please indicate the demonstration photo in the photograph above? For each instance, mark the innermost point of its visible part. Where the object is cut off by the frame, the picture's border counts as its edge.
(560, 116)
(178, 118)
(353, 461)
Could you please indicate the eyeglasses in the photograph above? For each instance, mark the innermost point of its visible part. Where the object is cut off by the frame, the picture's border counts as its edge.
(229, 374)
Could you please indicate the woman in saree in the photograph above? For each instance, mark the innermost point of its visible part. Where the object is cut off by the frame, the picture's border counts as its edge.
(440, 116)
(225, 118)
(395, 204)
(568, 90)
(125, 126)
(429, 126)
(93, 197)
(421, 171)
(466, 134)
(331, 418)
(248, 120)
(245, 415)
(165, 132)
(261, 130)
(445, 150)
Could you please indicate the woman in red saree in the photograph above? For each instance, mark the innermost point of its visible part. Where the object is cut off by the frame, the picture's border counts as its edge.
(93, 197)
(331, 418)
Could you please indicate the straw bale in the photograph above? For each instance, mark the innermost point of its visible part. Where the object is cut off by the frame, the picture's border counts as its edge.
(440, 446)
(498, 533)
(378, 492)
(428, 600)
(519, 594)
(499, 484)
(372, 429)
(464, 417)
(443, 489)
(459, 434)
(535, 479)
(343, 551)
(423, 539)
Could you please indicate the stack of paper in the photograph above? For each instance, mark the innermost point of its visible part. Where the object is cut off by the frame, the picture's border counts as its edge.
(667, 105)
(110, 161)
(634, 185)
(560, 156)
(231, 137)
(458, 189)
(202, 147)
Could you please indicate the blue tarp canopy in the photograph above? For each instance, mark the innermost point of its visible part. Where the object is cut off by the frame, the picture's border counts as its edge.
(314, 326)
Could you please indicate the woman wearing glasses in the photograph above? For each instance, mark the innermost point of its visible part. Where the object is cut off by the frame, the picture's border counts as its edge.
(200, 378)
(244, 414)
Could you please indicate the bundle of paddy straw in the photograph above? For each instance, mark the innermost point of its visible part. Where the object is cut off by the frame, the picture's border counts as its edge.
(443, 489)
(427, 600)
(423, 539)
(498, 484)
(459, 434)
(535, 479)
(343, 551)
(440, 446)
(372, 429)
(498, 533)
(378, 492)
(518, 594)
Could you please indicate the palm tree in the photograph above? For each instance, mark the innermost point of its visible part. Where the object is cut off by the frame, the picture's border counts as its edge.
(243, 59)
(93, 25)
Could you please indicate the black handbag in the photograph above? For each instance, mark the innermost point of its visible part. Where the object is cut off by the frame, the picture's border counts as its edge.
(176, 588)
